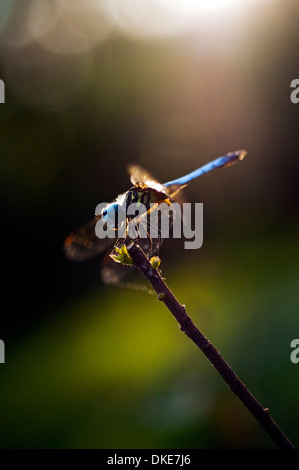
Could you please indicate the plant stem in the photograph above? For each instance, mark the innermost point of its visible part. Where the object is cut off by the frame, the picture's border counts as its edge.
(188, 327)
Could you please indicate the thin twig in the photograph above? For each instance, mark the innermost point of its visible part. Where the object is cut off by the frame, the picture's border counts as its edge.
(187, 326)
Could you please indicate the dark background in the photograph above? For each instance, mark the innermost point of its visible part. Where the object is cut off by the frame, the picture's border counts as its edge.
(86, 93)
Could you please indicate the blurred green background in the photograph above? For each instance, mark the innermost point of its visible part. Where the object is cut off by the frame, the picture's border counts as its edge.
(91, 86)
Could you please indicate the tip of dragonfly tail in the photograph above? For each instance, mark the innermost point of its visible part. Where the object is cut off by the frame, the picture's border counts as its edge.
(240, 154)
(234, 157)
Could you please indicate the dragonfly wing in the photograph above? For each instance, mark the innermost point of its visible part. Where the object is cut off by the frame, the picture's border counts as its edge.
(141, 177)
(112, 272)
(83, 244)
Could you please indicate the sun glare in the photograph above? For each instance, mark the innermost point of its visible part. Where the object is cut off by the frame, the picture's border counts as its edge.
(170, 17)
(190, 6)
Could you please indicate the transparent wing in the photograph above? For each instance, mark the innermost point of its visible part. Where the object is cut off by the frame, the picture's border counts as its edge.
(142, 178)
(83, 244)
(112, 272)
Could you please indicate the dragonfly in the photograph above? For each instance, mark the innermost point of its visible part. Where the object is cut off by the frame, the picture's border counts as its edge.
(84, 244)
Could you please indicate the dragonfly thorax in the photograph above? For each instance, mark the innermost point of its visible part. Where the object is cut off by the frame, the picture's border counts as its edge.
(144, 195)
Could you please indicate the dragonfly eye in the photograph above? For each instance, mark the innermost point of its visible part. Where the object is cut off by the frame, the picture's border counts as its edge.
(110, 213)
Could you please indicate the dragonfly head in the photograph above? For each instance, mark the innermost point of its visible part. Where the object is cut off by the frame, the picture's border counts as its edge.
(111, 215)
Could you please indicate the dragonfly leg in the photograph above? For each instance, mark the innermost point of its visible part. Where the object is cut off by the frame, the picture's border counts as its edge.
(160, 242)
(150, 244)
(156, 229)
(118, 243)
(137, 239)
(123, 239)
